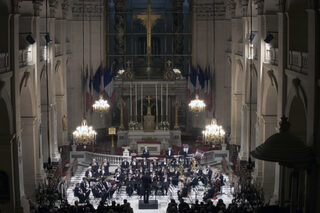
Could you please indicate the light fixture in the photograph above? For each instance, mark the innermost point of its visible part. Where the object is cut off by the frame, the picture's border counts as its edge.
(197, 105)
(251, 37)
(30, 39)
(121, 71)
(84, 134)
(47, 37)
(269, 38)
(101, 105)
(177, 71)
(213, 133)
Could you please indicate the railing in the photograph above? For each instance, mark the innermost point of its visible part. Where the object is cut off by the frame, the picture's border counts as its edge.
(42, 53)
(58, 49)
(214, 156)
(25, 57)
(3, 61)
(68, 48)
(298, 61)
(239, 50)
(86, 157)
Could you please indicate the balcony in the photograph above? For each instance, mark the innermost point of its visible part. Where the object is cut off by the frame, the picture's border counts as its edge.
(298, 61)
(272, 56)
(58, 50)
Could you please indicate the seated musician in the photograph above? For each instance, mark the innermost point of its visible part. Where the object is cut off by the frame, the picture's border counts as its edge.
(130, 185)
(209, 172)
(176, 162)
(118, 169)
(210, 193)
(85, 187)
(140, 170)
(102, 172)
(165, 182)
(183, 192)
(175, 177)
(131, 170)
(198, 171)
(106, 166)
(145, 163)
(194, 181)
(145, 152)
(154, 182)
(162, 171)
(164, 162)
(96, 192)
(124, 164)
(169, 153)
(155, 164)
(79, 193)
(89, 174)
(151, 169)
(95, 166)
(118, 178)
(134, 163)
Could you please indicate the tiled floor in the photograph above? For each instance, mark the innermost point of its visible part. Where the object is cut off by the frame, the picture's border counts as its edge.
(162, 200)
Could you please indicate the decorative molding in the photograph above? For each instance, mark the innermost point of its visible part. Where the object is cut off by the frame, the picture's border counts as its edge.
(260, 6)
(93, 10)
(53, 5)
(37, 4)
(209, 11)
(273, 79)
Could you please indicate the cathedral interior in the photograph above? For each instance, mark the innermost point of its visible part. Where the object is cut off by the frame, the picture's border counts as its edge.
(234, 84)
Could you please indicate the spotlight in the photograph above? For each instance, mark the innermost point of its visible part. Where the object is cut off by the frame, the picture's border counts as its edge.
(251, 37)
(48, 39)
(30, 39)
(268, 38)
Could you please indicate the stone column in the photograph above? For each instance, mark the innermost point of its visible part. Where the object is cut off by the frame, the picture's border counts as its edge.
(236, 119)
(11, 144)
(157, 119)
(131, 116)
(120, 26)
(178, 30)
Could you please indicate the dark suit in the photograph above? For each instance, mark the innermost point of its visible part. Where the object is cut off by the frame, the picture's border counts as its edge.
(125, 165)
(146, 186)
(145, 153)
(169, 154)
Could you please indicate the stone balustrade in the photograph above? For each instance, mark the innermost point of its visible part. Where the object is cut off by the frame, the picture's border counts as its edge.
(214, 157)
(58, 50)
(25, 57)
(272, 56)
(86, 157)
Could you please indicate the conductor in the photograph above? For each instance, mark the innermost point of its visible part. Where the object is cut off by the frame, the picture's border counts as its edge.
(146, 187)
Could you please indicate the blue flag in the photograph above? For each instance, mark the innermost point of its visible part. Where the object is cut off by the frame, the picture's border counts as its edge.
(97, 80)
(201, 77)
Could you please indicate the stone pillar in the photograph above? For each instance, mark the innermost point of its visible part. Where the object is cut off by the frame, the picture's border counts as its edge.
(244, 132)
(236, 119)
(269, 178)
(18, 201)
(178, 30)
(120, 26)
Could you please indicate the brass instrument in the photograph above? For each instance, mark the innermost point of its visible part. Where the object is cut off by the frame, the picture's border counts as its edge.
(193, 165)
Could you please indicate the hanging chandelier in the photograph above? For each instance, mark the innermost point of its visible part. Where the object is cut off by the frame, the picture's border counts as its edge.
(84, 134)
(214, 133)
(197, 105)
(101, 105)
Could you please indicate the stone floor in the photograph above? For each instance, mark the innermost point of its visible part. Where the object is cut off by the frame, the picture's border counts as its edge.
(163, 201)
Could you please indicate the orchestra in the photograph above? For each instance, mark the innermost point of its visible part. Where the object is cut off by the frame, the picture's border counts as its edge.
(163, 173)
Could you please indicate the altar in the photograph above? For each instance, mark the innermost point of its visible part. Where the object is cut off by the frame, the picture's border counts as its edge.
(156, 140)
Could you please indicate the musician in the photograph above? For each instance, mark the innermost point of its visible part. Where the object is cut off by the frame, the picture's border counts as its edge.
(185, 152)
(155, 164)
(118, 169)
(96, 192)
(85, 187)
(89, 174)
(194, 181)
(106, 166)
(125, 164)
(198, 171)
(164, 162)
(102, 172)
(145, 152)
(130, 170)
(134, 163)
(151, 169)
(165, 184)
(210, 193)
(145, 163)
(209, 172)
(130, 185)
(79, 193)
(176, 162)
(183, 192)
(95, 166)
(175, 177)
(169, 153)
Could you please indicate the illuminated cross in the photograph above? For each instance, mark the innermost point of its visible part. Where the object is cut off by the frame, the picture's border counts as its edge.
(148, 19)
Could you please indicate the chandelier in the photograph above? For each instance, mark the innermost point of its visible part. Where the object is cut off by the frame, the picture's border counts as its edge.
(213, 133)
(197, 105)
(101, 105)
(84, 134)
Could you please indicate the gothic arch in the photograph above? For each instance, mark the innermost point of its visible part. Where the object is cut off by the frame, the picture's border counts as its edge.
(251, 74)
(296, 91)
(27, 102)
(5, 119)
(269, 100)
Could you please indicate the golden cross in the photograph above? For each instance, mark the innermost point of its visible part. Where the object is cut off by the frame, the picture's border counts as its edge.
(148, 19)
